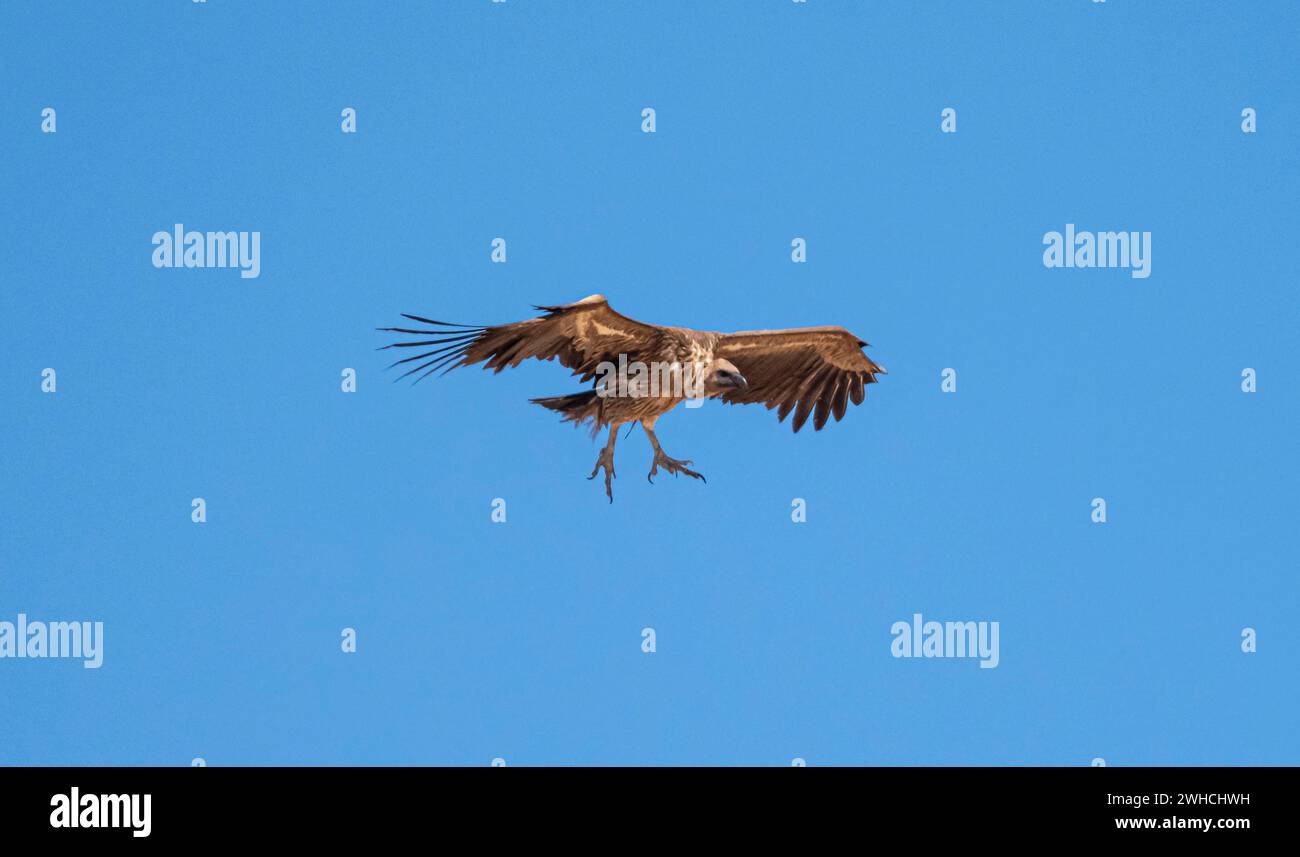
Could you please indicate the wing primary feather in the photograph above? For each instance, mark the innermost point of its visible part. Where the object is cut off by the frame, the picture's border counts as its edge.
(425, 354)
(431, 332)
(425, 375)
(437, 362)
(423, 320)
(856, 390)
(823, 408)
(824, 399)
(839, 404)
(456, 340)
(449, 361)
(416, 369)
(807, 398)
(802, 411)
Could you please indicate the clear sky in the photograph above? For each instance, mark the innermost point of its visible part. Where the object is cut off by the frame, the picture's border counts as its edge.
(523, 640)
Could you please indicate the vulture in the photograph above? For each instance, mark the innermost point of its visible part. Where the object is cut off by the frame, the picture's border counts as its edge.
(638, 372)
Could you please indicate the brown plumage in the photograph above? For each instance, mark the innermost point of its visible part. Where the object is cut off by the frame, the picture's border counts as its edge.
(810, 371)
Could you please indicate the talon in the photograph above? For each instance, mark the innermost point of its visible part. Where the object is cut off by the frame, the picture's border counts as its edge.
(606, 460)
(673, 466)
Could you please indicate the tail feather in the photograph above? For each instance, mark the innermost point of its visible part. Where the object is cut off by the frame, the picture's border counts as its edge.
(575, 407)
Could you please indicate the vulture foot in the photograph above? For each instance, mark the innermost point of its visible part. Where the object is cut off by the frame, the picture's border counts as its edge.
(605, 460)
(671, 465)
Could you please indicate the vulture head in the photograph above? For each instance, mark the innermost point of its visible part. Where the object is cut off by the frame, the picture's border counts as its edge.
(721, 376)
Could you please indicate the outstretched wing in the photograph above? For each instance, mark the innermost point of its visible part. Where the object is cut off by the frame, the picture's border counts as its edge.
(799, 370)
(582, 335)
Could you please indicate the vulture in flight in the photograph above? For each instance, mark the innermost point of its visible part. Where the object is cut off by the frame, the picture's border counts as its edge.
(639, 371)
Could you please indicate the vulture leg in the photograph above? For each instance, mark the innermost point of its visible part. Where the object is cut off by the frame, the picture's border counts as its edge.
(606, 460)
(671, 465)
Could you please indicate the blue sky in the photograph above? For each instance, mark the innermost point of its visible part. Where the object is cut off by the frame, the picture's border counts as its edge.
(522, 640)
